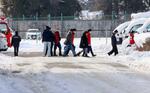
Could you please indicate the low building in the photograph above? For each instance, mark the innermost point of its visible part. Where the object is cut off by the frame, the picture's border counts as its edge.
(87, 15)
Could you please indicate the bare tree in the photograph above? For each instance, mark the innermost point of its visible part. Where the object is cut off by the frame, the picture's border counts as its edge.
(147, 4)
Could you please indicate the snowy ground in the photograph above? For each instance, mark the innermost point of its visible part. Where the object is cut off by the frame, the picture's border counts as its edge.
(127, 72)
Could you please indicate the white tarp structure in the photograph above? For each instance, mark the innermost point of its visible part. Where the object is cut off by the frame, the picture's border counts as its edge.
(87, 15)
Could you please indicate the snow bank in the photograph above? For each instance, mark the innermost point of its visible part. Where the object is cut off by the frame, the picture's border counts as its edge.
(140, 15)
(140, 39)
(101, 46)
(106, 74)
(5, 59)
(140, 65)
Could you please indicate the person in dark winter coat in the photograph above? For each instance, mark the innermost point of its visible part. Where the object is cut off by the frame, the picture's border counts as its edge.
(57, 43)
(88, 35)
(114, 44)
(48, 39)
(69, 42)
(83, 45)
(16, 39)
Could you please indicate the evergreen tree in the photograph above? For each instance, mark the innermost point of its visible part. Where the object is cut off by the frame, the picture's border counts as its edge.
(116, 6)
(42, 8)
(70, 7)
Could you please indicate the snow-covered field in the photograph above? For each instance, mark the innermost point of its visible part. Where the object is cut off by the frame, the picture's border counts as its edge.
(127, 72)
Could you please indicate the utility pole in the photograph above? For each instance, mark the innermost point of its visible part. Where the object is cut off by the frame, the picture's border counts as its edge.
(113, 14)
(113, 10)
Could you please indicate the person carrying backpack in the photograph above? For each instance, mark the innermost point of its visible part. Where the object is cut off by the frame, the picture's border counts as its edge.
(69, 42)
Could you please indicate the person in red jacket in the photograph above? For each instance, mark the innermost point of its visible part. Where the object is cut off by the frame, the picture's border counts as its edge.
(57, 43)
(8, 36)
(132, 38)
(88, 35)
(131, 41)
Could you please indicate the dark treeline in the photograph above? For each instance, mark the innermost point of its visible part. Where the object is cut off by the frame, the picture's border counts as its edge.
(117, 6)
(41, 8)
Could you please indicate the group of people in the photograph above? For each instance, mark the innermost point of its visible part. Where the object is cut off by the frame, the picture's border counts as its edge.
(114, 42)
(52, 41)
(85, 44)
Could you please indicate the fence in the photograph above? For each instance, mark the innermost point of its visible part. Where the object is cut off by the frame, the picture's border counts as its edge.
(101, 27)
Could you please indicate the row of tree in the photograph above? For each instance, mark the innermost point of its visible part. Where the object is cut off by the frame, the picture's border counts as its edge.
(118, 6)
(42, 8)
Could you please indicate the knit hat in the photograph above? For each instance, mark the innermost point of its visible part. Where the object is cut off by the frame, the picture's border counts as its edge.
(89, 30)
(73, 29)
(47, 27)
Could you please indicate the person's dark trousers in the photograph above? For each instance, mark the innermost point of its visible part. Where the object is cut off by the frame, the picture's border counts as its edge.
(84, 54)
(55, 47)
(114, 50)
(90, 50)
(16, 50)
(46, 51)
(52, 44)
(78, 54)
(85, 50)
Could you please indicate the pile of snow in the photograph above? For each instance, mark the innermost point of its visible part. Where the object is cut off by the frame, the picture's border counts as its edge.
(5, 59)
(60, 74)
(144, 28)
(138, 22)
(30, 46)
(122, 26)
(101, 46)
(140, 15)
(140, 39)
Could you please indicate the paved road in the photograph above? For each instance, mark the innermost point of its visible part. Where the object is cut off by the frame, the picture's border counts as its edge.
(71, 75)
(25, 54)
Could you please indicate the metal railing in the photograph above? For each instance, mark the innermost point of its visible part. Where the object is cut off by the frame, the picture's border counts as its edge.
(101, 26)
